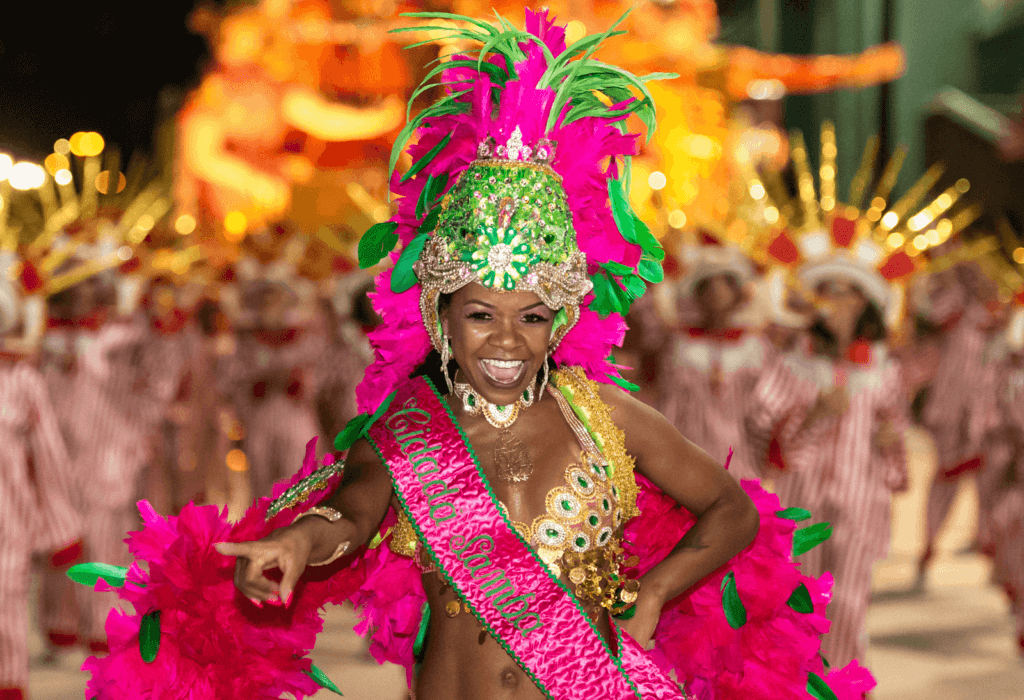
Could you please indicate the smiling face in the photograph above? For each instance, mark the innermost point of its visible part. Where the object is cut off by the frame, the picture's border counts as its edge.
(499, 339)
(842, 305)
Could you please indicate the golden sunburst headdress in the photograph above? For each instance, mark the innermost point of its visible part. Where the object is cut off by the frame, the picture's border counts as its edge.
(874, 244)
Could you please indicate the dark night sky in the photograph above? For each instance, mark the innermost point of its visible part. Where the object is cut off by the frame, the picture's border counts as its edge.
(91, 66)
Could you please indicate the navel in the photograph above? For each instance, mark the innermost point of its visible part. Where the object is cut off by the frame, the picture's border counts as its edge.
(509, 677)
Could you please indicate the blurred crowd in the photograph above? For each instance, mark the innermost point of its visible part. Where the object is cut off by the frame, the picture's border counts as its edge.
(184, 399)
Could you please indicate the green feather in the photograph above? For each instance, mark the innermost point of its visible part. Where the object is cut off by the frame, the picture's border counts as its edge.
(650, 270)
(604, 298)
(149, 636)
(426, 160)
(735, 613)
(635, 287)
(430, 222)
(617, 268)
(404, 277)
(382, 409)
(442, 108)
(351, 432)
(486, 26)
(321, 679)
(621, 211)
(580, 46)
(89, 574)
(435, 186)
(378, 241)
(800, 600)
(648, 243)
(561, 96)
(817, 687)
(421, 635)
(810, 537)
(624, 384)
(796, 514)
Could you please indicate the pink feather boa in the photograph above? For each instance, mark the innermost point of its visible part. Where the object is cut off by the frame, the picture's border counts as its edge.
(771, 655)
(215, 644)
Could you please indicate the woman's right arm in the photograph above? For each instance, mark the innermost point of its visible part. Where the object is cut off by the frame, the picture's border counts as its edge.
(362, 498)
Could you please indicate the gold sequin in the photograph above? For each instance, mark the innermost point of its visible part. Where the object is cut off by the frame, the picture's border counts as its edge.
(578, 575)
(453, 608)
(403, 537)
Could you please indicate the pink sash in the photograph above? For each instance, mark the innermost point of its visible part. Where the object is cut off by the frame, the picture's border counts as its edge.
(531, 613)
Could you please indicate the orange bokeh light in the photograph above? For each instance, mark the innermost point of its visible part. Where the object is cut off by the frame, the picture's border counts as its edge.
(103, 181)
(55, 162)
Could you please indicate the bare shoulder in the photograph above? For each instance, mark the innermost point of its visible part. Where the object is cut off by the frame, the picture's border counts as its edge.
(629, 411)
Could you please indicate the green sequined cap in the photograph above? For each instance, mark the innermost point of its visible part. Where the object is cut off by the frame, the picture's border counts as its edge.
(504, 218)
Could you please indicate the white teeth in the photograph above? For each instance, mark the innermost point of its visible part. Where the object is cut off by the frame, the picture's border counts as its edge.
(507, 364)
(489, 365)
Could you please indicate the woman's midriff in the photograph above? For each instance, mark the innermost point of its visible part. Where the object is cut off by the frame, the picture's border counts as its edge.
(463, 662)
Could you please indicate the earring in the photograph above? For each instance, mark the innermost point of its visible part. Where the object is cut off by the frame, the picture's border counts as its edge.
(544, 382)
(529, 394)
(446, 356)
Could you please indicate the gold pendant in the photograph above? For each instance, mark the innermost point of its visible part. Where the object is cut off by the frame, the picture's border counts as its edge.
(512, 458)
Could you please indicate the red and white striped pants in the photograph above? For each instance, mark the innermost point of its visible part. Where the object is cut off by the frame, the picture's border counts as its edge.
(15, 563)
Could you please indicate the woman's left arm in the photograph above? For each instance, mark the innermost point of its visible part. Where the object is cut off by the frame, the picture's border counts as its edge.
(727, 520)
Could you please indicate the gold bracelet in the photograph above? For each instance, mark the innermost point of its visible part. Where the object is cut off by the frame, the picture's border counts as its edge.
(331, 516)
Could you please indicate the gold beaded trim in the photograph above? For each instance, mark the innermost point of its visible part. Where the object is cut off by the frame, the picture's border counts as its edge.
(596, 416)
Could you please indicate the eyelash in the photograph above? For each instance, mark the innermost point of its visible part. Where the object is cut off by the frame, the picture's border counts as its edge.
(484, 316)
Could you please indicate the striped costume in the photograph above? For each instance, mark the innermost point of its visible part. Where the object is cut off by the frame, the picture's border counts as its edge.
(1001, 486)
(120, 394)
(36, 510)
(344, 356)
(835, 470)
(202, 435)
(951, 413)
(707, 380)
(266, 381)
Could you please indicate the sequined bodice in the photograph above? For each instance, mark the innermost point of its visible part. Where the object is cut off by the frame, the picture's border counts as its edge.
(581, 515)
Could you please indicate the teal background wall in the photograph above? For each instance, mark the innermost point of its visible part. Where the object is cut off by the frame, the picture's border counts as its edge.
(974, 45)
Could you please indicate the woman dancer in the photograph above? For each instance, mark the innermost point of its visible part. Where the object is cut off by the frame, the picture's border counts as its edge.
(712, 366)
(842, 400)
(480, 519)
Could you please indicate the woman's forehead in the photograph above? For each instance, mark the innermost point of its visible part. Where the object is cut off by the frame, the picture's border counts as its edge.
(475, 292)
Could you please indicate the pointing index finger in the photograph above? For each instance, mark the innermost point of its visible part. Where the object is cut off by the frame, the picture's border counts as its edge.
(234, 549)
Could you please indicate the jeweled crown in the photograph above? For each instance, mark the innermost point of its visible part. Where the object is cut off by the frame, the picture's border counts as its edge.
(541, 153)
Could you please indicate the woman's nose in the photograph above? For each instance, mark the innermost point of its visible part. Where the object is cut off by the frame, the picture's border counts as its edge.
(506, 336)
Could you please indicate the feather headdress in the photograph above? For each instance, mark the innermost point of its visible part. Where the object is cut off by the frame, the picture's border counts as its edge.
(518, 181)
